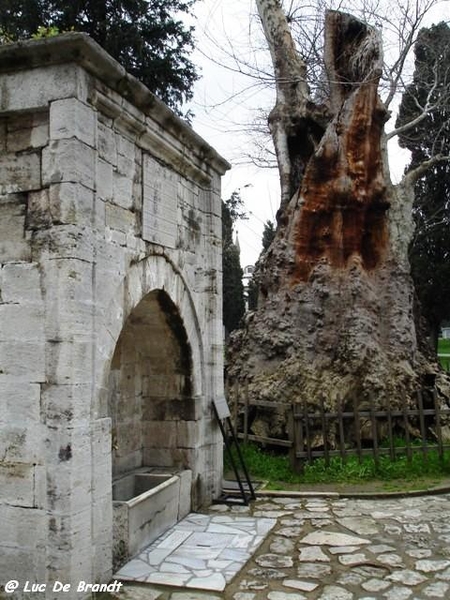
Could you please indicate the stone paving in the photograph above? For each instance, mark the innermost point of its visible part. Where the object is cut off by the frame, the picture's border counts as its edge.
(335, 548)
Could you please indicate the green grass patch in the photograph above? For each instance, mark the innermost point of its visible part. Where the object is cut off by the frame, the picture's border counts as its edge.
(444, 346)
(276, 470)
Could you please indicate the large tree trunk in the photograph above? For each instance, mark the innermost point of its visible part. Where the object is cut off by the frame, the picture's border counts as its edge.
(335, 311)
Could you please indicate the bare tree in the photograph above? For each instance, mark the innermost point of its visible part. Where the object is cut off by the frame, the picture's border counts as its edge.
(336, 314)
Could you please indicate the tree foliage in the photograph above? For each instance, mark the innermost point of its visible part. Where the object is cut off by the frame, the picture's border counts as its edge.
(145, 36)
(427, 98)
(233, 288)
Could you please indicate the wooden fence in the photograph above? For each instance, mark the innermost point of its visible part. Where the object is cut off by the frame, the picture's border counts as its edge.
(313, 431)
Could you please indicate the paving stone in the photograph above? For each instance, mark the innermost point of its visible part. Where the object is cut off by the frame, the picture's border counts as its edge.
(416, 528)
(343, 549)
(195, 596)
(331, 538)
(398, 593)
(313, 570)
(375, 585)
(253, 585)
(431, 566)
(292, 522)
(266, 573)
(275, 561)
(361, 526)
(282, 545)
(304, 586)
(407, 577)
(445, 575)
(321, 522)
(244, 596)
(371, 571)
(272, 514)
(438, 589)
(290, 532)
(419, 552)
(313, 554)
(350, 578)
(333, 592)
(352, 559)
(285, 596)
(380, 548)
(391, 559)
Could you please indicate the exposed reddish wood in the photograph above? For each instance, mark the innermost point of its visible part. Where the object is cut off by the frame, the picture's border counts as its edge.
(343, 192)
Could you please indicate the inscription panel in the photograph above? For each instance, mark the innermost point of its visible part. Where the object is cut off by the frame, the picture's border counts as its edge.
(159, 208)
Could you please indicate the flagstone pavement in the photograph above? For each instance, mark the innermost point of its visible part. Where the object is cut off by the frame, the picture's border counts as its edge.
(301, 548)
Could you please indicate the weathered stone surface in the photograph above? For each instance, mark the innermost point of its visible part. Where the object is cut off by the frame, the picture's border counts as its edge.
(331, 538)
(304, 586)
(20, 174)
(70, 118)
(274, 561)
(103, 334)
(431, 566)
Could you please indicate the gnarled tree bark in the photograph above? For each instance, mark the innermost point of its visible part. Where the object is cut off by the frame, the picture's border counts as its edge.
(335, 313)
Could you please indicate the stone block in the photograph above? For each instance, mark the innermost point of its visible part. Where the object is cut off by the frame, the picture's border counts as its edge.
(184, 504)
(72, 118)
(20, 283)
(38, 213)
(69, 553)
(23, 359)
(63, 244)
(123, 182)
(161, 457)
(22, 528)
(66, 404)
(20, 401)
(13, 244)
(70, 361)
(27, 131)
(106, 144)
(125, 147)
(104, 180)
(17, 484)
(159, 434)
(22, 564)
(24, 322)
(188, 434)
(19, 443)
(20, 173)
(71, 203)
(34, 89)
(68, 161)
(69, 468)
(101, 458)
(120, 219)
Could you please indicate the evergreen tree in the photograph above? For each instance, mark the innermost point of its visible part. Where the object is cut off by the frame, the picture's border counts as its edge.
(268, 234)
(144, 36)
(430, 248)
(233, 289)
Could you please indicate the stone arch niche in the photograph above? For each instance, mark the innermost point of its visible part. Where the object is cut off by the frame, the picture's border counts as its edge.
(151, 388)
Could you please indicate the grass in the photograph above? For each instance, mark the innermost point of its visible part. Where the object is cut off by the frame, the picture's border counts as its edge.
(418, 473)
(444, 348)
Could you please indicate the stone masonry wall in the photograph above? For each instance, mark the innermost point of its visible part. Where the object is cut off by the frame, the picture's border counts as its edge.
(105, 197)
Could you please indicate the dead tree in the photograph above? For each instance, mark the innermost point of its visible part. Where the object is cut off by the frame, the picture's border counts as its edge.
(336, 315)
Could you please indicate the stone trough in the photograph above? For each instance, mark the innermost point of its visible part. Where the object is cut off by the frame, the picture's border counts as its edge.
(146, 503)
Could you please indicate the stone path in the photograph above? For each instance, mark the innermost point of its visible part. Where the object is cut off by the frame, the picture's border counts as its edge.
(332, 548)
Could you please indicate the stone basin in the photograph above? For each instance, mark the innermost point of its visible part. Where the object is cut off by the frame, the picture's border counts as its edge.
(146, 503)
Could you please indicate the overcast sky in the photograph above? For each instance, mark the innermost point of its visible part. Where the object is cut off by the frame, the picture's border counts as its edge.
(226, 102)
